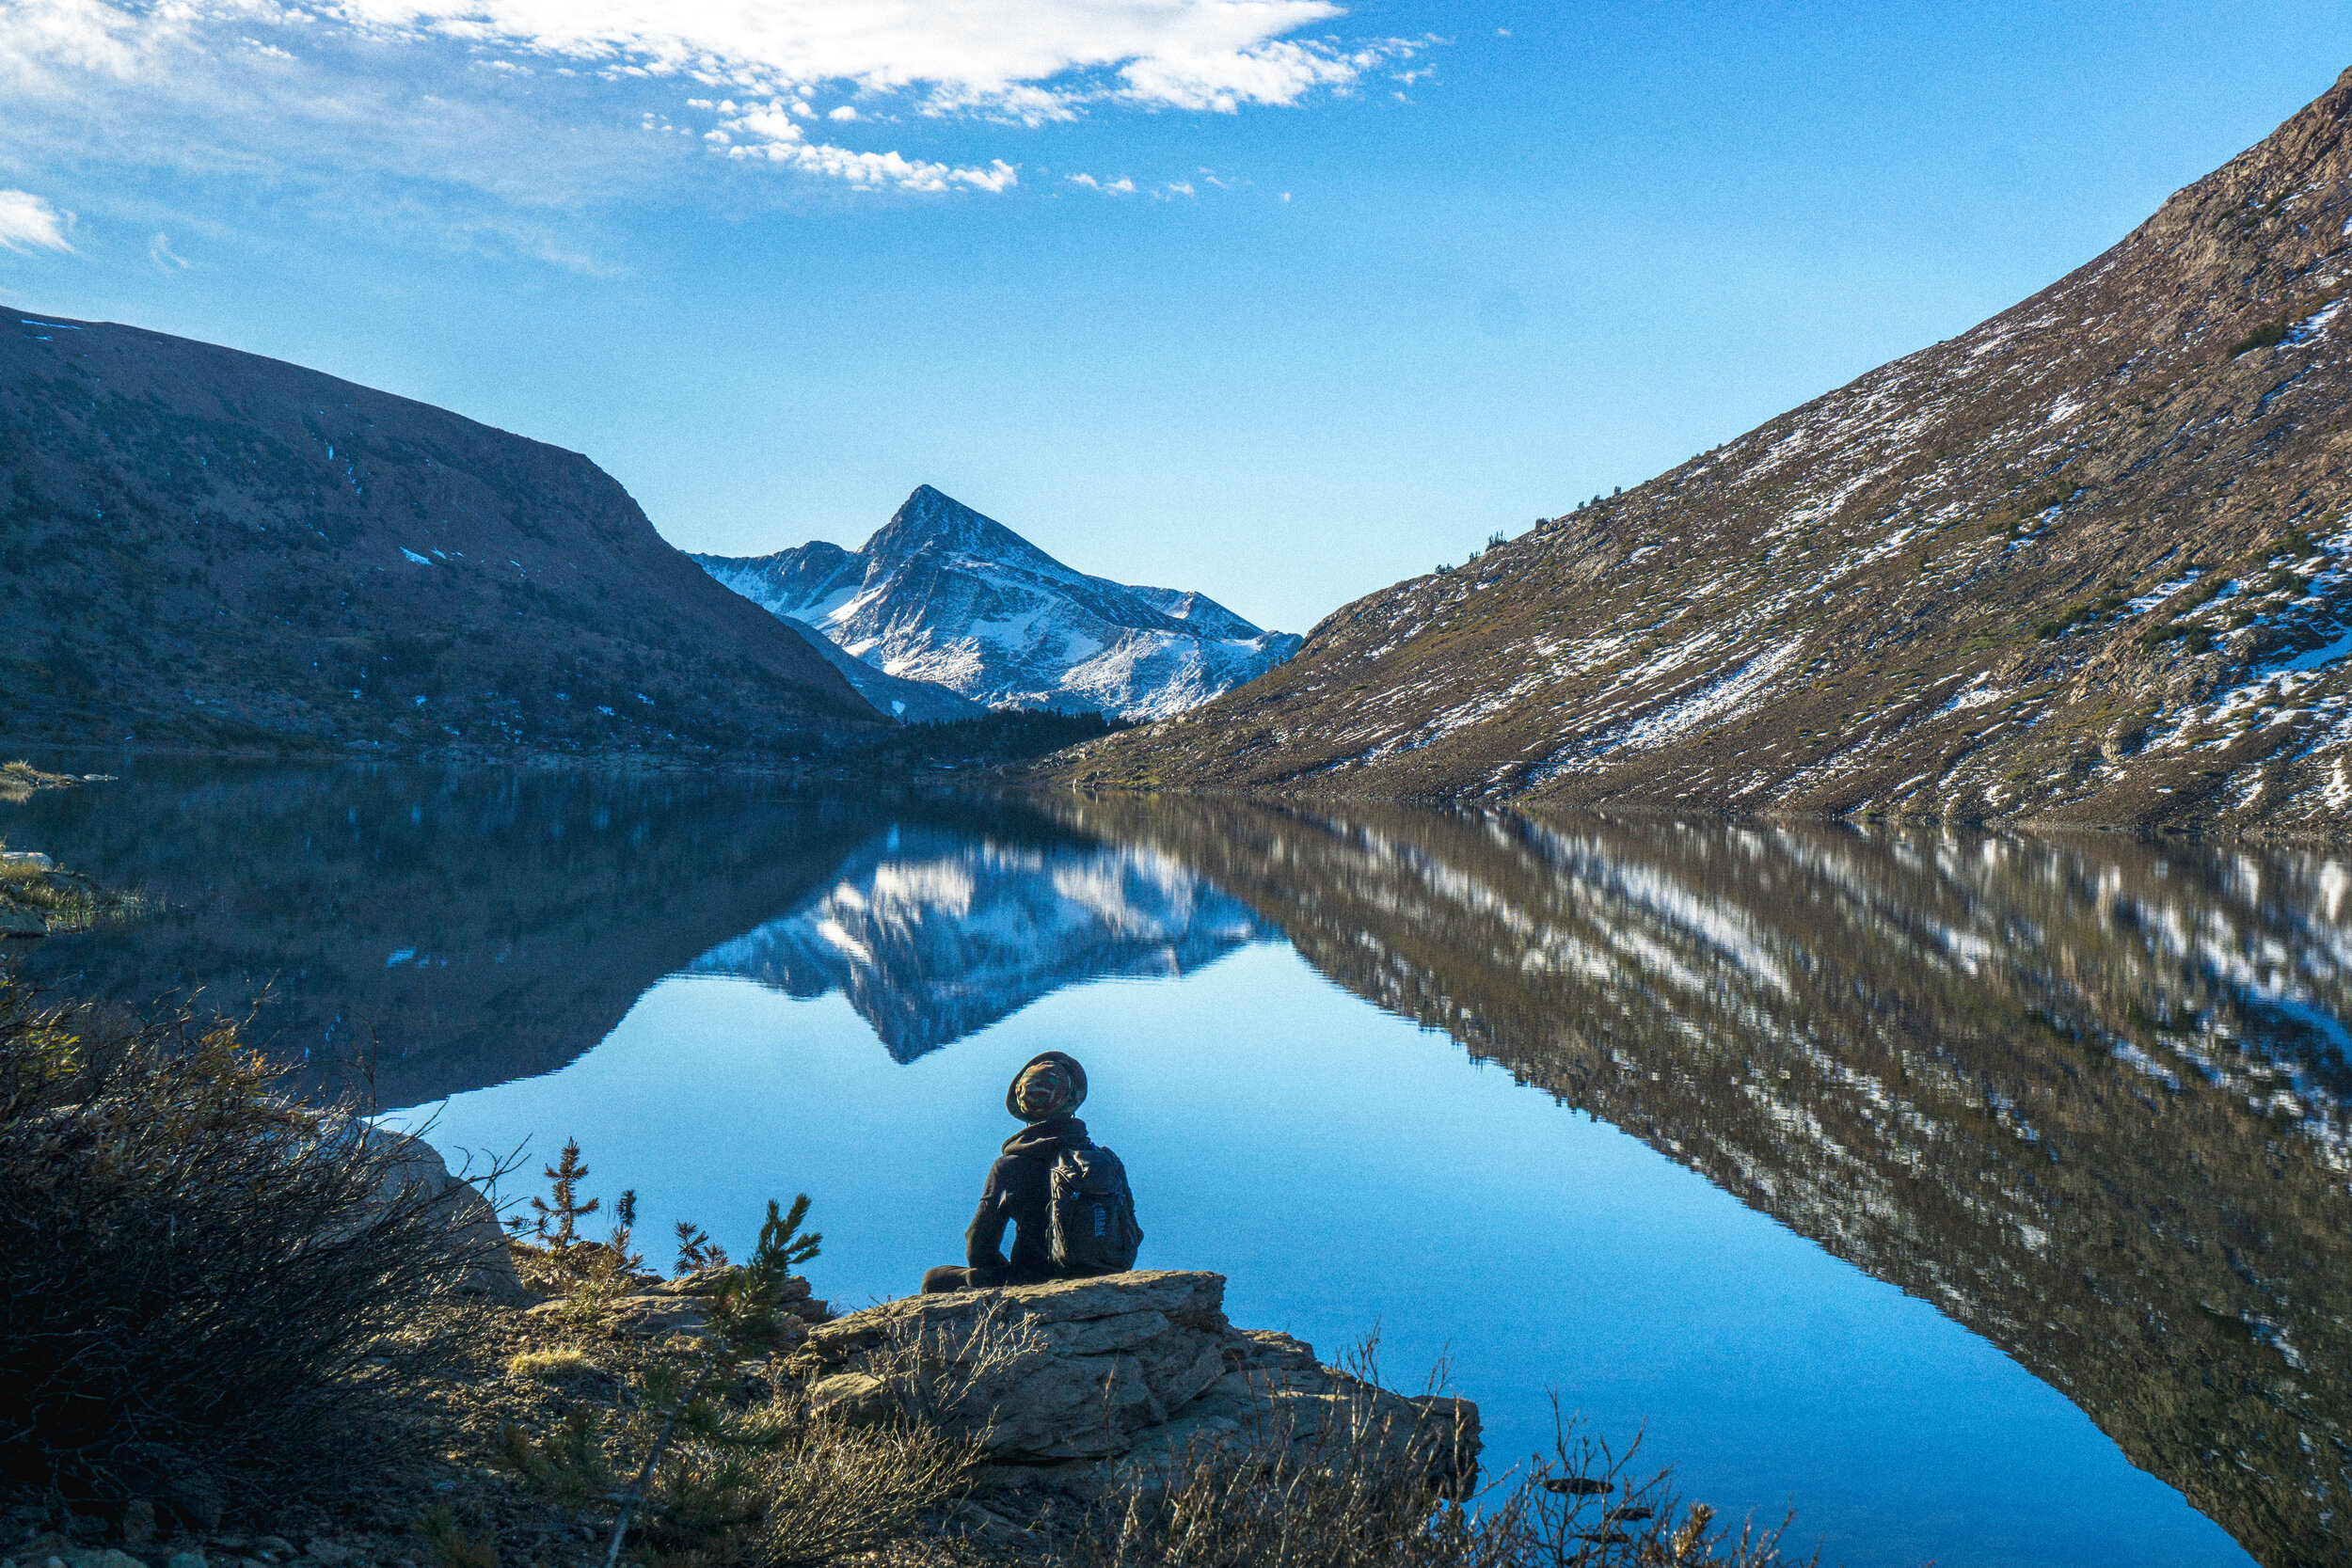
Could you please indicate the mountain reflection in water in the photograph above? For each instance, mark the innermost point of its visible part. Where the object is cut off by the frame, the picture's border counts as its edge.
(934, 935)
(2086, 1097)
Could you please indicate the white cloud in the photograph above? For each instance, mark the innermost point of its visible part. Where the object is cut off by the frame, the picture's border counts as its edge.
(1121, 186)
(374, 106)
(160, 252)
(1025, 58)
(769, 133)
(29, 223)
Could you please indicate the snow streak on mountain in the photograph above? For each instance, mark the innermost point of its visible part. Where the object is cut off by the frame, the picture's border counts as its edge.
(946, 595)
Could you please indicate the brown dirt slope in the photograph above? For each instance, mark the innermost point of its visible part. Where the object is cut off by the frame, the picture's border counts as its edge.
(2085, 563)
(204, 548)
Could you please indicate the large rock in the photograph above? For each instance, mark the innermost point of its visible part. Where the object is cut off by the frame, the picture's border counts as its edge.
(411, 1165)
(1136, 1368)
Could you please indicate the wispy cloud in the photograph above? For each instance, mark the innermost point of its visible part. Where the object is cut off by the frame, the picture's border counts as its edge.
(529, 116)
(1025, 59)
(29, 223)
(770, 132)
(160, 252)
(1121, 186)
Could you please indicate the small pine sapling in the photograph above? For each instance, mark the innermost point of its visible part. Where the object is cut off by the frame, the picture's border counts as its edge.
(625, 1223)
(781, 1243)
(696, 1250)
(567, 1465)
(453, 1547)
(558, 1221)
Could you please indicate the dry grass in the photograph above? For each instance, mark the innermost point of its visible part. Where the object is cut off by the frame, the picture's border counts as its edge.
(549, 1365)
(1358, 1494)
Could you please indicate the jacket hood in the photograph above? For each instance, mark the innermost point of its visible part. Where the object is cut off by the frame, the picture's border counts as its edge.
(1070, 1066)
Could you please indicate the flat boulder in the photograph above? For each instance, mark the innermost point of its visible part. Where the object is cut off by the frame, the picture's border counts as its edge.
(1135, 1369)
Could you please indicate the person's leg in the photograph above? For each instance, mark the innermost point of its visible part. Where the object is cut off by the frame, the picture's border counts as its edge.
(945, 1277)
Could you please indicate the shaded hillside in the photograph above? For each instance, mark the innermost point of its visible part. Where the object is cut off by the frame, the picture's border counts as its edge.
(2090, 1101)
(204, 548)
(943, 594)
(2085, 563)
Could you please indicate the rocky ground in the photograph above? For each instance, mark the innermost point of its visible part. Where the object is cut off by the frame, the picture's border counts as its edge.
(529, 1448)
(2086, 562)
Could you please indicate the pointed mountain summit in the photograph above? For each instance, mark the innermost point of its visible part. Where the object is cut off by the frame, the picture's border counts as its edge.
(2086, 562)
(944, 594)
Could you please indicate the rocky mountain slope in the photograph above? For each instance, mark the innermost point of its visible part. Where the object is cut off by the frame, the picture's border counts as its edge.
(944, 594)
(2085, 563)
(204, 548)
(910, 702)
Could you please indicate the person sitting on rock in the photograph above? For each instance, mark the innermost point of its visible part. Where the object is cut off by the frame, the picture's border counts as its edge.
(1044, 1093)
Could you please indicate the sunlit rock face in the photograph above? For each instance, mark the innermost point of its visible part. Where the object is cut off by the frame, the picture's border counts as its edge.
(934, 935)
(943, 594)
(2086, 1099)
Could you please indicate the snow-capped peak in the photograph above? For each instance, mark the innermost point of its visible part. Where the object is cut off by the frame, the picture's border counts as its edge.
(946, 595)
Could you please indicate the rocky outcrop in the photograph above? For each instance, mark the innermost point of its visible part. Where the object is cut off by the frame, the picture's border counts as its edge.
(1138, 1368)
(413, 1170)
(656, 1308)
(37, 899)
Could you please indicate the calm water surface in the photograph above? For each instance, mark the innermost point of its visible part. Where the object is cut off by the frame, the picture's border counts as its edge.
(1984, 1198)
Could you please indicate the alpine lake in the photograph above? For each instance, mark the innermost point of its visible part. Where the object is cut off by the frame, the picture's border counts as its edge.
(1982, 1197)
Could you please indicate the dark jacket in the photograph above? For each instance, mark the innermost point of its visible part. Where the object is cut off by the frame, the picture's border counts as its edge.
(1019, 1193)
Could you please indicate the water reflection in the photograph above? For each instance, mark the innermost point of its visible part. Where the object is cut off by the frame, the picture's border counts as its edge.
(934, 935)
(2088, 1098)
(459, 930)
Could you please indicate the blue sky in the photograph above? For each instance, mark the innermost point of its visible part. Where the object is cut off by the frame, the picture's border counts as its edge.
(1277, 299)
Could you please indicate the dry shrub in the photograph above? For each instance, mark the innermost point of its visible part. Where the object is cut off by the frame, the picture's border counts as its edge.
(835, 1492)
(1355, 1494)
(781, 1483)
(202, 1280)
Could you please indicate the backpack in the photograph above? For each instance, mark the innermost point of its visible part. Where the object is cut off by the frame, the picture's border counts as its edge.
(1093, 1227)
